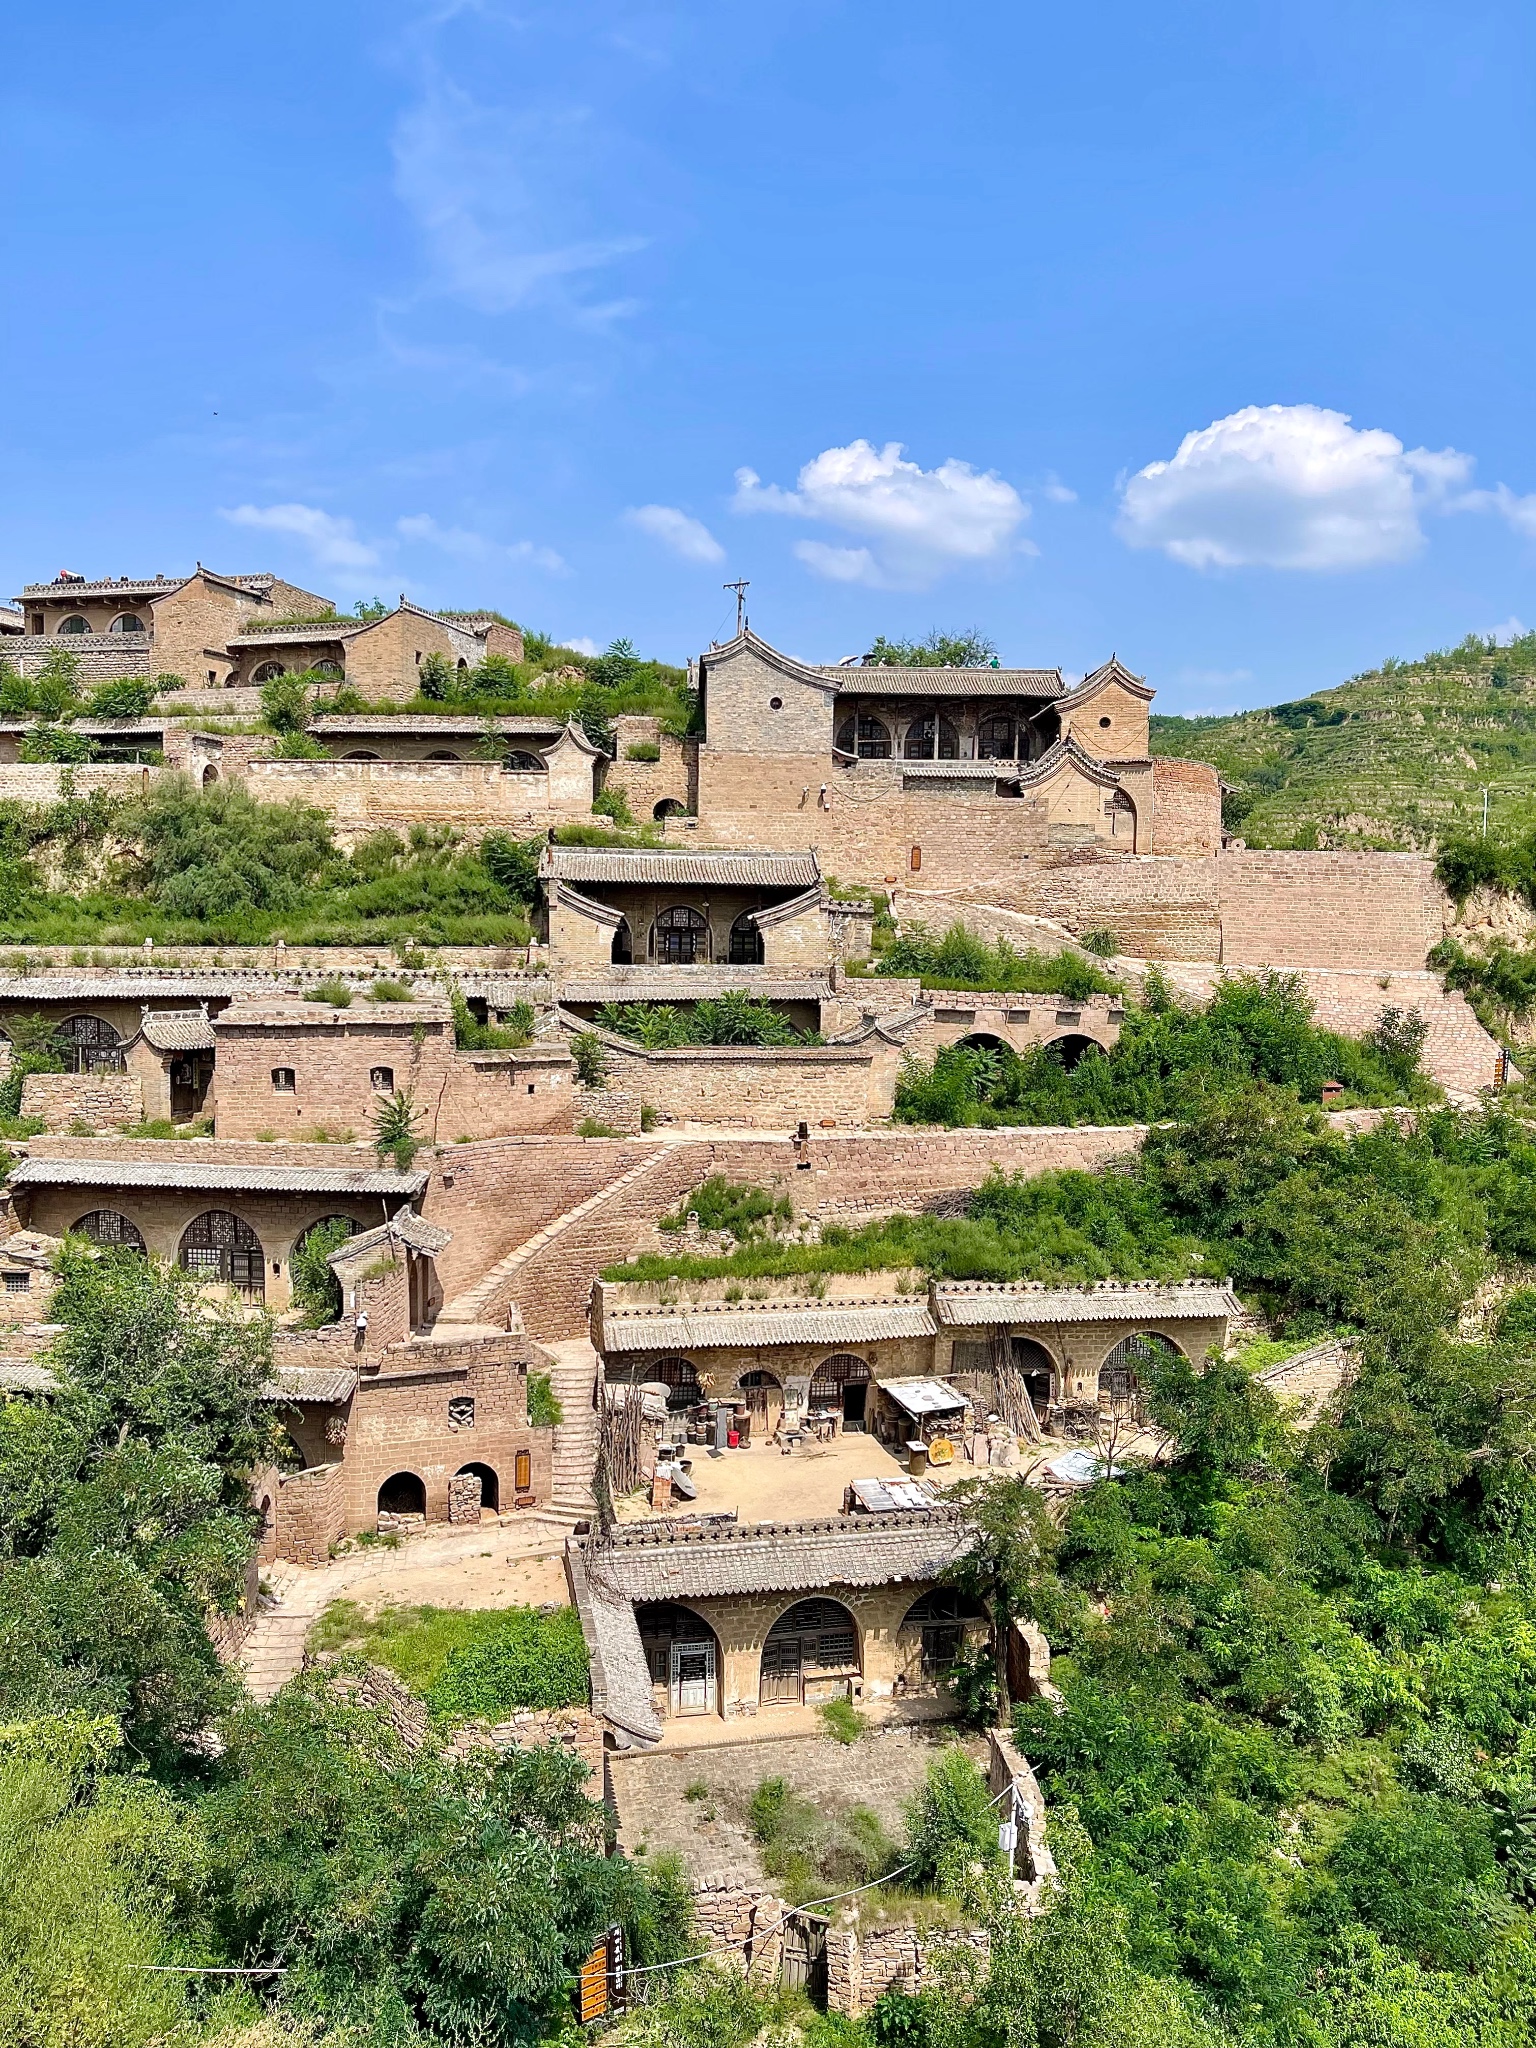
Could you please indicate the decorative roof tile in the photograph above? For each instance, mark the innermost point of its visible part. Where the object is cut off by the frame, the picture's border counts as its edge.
(945, 682)
(133, 988)
(177, 1030)
(725, 1324)
(669, 1561)
(404, 1227)
(21, 1376)
(337, 725)
(963, 1304)
(645, 865)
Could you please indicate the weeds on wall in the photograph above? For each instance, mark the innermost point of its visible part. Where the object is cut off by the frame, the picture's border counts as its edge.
(962, 960)
(735, 1018)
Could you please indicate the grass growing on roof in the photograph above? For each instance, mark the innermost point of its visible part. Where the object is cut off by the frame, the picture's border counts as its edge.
(468, 1663)
(961, 960)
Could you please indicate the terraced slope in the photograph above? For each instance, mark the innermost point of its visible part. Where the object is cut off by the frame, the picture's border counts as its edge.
(1393, 758)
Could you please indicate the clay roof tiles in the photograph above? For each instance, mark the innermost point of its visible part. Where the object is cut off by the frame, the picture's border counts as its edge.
(22, 1376)
(177, 1030)
(668, 1561)
(973, 1303)
(644, 865)
(214, 1178)
(1044, 683)
(317, 1383)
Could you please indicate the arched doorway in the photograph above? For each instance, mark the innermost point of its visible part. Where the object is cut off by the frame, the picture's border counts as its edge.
(811, 1653)
(490, 1485)
(682, 1653)
(1129, 1366)
(939, 1621)
(1037, 1369)
(268, 672)
(746, 948)
(220, 1246)
(984, 1041)
(210, 776)
(1122, 820)
(679, 1376)
(403, 1493)
(669, 807)
(764, 1396)
(680, 936)
(623, 950)
(842, 1382)
(1073, 1046)
(91, 1045)
(111, 1228)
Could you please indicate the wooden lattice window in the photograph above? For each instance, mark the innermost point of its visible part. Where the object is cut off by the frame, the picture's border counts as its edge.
(218, 1245)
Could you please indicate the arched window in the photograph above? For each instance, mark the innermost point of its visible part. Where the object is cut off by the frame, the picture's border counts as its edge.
(940, 1616)
(130, 622)
(218, 1245)
(109, 1227)
(1133, 1361)
(523, 763)
(623, 952)
(995, 739)
(842, 1382)
(403, 1493)
(669, 807)
(74, 624)
(866, 736)
(816, 1639)
(268, 672)
(746, 942)
(680, 936)
(331, 670)
(1122, 819)
(91, 1045)
(360, 755)
(680, 1377)
(931, 738)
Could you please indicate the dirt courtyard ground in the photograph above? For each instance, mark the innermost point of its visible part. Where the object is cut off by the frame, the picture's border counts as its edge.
(763, 1485)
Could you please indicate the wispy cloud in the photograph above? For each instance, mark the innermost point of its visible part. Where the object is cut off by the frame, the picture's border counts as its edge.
(685, 536)
(331, 540)
(913, 524)
(468, 546)
(496, 195)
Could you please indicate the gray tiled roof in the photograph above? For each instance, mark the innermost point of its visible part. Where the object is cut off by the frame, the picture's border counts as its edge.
(118, 987)
(214, 1178)
(960, 771)
(625, 864)
(21, 1376)
(315, 629)
(178, 1030)
(149, 586)
(318, 1383)
(761, 1323)
(339, 724)
(621, 1678)
(666, 1561)
(404, 1227)
(968, 1303)
(945, 682)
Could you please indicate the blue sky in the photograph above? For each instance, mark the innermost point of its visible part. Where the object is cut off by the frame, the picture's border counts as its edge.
(1197, 333)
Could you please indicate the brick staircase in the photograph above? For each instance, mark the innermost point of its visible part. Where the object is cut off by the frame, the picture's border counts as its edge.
(274, 1649)
(573, 1372)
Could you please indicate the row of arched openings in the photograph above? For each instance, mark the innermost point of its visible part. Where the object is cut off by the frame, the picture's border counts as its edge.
(405, 1493)
(679, 937)
(841, 1381)
(218, 1246)
(128, 622)
(931, 736)
(813, 1646)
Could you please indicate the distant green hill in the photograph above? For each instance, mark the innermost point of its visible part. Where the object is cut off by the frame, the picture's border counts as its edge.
(1392, 758)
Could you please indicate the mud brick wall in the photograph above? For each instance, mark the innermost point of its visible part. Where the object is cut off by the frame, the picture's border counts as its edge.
(373, 796)
(1188, 799)
(752, 1086)
(648, 783)
(498, 1094)
(1328, 909)
(104, 1101)
(310, 1514)
(332, 1055)
(102, 656)
(46, 782)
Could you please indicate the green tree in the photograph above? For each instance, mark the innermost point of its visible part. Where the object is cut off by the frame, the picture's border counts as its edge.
(1006, 1566)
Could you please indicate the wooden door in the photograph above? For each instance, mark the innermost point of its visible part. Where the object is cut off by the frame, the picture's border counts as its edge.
(693, 1678)
(780, 1682)
(804, 1964)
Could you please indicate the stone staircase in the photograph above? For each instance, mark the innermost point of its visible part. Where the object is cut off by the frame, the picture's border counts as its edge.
(573, 1370)
(274, 1649)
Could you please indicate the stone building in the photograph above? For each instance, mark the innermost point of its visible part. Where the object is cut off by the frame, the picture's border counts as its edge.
(219, 632)
(735, 1620)
(850, 1350)
(659, 909)
(232, 1214)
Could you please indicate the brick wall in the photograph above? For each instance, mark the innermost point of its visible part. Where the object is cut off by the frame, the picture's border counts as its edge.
(45, 782)
(103, 1101)
(373, 796)
(1329, 909)
(499, 1094)
(332, 1055)
(310, 1514)
(1188, 797)
(102, 656)
(755, 1086)
(649, 783)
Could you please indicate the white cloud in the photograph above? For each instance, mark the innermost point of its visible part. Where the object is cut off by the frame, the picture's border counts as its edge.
(331, 540)
(1511, 630)
(685, 536)
(1520, 512)
(492, 191)
(474, 547)
(918, 523)
(579, 643)
(1289, 487)
(1058, 492)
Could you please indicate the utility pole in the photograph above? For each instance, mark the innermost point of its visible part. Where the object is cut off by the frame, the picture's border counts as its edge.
(741, 590)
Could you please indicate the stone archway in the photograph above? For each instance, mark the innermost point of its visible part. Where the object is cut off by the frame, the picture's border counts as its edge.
(1073, 1046)
(811, 1653)
(403, 1496)
(490, 1485)
(682, 1654)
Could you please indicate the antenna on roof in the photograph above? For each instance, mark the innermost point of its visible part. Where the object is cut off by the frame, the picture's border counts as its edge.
(741, 590)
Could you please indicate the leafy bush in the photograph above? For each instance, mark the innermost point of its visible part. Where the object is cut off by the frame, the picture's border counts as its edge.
(970, 649)
(591, 1059)
(951, 1824)
(316, 1290)
(391, 992)
(285, 704)
(544, 1409)
(612, 801)
(513, 864)
(642, 750)
(36, 1048)
(125, 697)
(332, 990)
(394, 1129)
(529, 1659)
(721, 1204)
(961, 960)
(735, 1018)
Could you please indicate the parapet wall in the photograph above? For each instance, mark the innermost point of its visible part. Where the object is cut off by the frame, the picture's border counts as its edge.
(1283, 909)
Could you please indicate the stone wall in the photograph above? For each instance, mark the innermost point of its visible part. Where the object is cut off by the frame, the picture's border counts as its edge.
(649, 783)
(46, 782)
(372, 796)
(102, 656)
(1188, 807)
(1329, 909)
(773, 1087)
(310, 1514)
(499, 1094)
(103, 1102)
(332, 1055)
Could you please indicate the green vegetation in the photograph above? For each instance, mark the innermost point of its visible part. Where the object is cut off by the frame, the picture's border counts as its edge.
(961, 960)
(969, 649)
(468, 1663)
(1395, 757)
(591, 1059)
(721, 1204)
(394, 1129)
(515, 1029)
(1168, 1057)
(544, 1409)
(735, 1018)
(316, 1290)
(36, 1048)
(216, 867)
(332, 990)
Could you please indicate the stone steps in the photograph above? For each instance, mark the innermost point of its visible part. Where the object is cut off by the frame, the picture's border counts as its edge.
(273, 1652)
